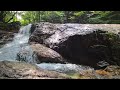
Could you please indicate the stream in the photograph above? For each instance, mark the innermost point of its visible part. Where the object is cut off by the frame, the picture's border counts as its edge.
(20, 41)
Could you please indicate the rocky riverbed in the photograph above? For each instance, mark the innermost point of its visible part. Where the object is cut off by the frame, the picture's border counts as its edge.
(61, 51)
(22, 70)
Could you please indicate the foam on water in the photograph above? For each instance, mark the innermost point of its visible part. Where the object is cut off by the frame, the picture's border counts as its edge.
(10, 50)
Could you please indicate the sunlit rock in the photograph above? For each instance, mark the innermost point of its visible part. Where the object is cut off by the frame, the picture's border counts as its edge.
(86, 44)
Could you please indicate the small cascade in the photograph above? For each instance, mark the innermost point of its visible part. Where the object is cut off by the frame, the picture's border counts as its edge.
(9, 51)
(20, 50)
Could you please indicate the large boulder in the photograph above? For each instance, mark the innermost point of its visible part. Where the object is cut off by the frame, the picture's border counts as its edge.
(22, 70)
(86, 44)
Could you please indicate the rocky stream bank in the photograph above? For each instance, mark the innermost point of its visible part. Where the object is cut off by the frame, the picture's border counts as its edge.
(65, 46)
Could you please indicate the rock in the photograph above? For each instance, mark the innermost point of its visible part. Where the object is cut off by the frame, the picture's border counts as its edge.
(5, 37)
(37, 53)
(110, 72)
(26, 54)
(22, 70)
(7, 31)
(41, 31)
(10, 27)
(47, 55)
(86, 44)
(14, 26)
(33, 27)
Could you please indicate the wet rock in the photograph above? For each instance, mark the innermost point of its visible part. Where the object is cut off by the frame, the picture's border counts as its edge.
(110, 72)
(7, 31)
(22, 70)
(26, 54)
(113, 70)
(47, 55)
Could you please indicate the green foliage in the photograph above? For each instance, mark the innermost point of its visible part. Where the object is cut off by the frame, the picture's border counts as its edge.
(52, 16)
(8, 16)
(105, 17)
(83, 17)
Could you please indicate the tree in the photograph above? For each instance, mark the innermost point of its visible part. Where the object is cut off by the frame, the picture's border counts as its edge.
(105, 17)
(7, 16)
(68, 15)
(83, 17)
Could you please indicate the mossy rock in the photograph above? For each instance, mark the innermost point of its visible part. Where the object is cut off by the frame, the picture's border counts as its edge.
(115, 46)
(116, 53)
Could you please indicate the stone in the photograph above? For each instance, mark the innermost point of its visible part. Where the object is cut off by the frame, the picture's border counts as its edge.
(45, 54)
(5, 37)
(39, 32)
(22, 70)
(86, 44)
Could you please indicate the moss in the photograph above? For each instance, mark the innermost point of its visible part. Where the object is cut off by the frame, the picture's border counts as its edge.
(115, 47)
(80, 76)
(75, 76)
(110, 36)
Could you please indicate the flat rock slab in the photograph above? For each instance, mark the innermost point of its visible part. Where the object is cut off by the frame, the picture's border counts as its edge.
(22, 70)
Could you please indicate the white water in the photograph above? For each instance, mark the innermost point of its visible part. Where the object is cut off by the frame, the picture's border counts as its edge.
(20, 42)
(64, 68)
(9, 51)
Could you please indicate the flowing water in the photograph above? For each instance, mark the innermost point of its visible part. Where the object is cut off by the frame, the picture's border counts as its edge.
(64, 68)
(20, 42)
(9, 51)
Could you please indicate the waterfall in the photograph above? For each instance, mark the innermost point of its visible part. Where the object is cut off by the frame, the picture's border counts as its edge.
(9, 51)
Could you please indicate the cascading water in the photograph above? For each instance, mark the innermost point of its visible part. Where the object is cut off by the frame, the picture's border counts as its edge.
(9, 51)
